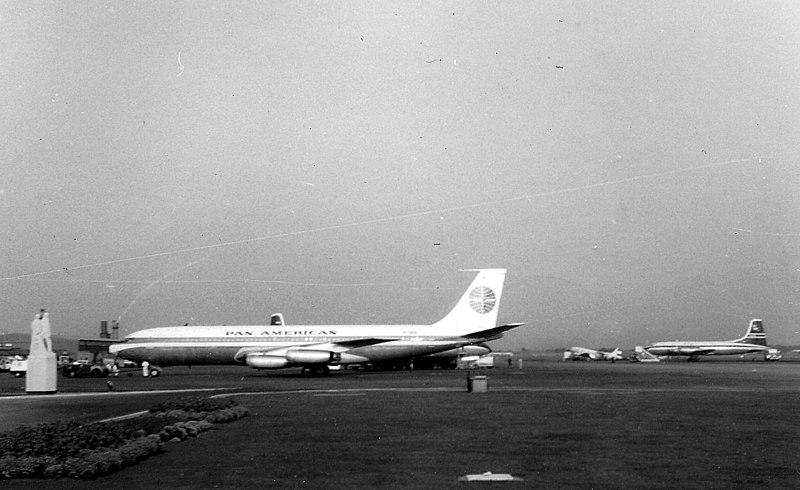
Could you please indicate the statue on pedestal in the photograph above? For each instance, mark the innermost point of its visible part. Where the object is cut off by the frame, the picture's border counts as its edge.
(42, 366)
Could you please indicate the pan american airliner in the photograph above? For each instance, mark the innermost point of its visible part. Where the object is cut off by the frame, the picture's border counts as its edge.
(315, 348)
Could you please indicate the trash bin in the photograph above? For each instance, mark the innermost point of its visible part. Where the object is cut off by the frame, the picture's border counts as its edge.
(477, 384)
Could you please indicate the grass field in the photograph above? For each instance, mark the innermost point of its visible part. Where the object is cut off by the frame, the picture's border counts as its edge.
(556, 425)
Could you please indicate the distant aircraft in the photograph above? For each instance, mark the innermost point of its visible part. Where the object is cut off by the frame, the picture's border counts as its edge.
(641, 355)
(773, 355)
(581, 353)
(754, 341)
(314, 348)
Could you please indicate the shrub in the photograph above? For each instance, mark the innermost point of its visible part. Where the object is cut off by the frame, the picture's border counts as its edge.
(227, 415)
(69, 449)
(194, 404)
(22, 467)
(81, 469)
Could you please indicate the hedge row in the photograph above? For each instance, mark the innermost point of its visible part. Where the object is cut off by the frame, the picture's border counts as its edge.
(86, 465)
(221, 416)
(72, 450)
(194, 404)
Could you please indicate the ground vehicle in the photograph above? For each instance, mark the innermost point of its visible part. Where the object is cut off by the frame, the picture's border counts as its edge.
(5, 363)
(19, 367)
(475, 362)
(84, 370)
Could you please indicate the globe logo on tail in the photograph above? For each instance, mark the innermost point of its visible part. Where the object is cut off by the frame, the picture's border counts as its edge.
(482, 300)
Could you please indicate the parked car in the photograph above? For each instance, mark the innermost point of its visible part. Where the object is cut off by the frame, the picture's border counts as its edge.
(19, 367)
(5, 363)
(84, 370)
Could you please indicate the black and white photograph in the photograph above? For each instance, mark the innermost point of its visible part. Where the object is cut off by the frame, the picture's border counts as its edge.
(348, 244)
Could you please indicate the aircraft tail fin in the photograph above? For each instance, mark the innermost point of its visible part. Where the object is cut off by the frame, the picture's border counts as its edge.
(642, 355)
(477, 309)
(755, 333)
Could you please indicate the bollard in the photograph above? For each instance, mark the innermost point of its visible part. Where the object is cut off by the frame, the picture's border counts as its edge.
(477, 384)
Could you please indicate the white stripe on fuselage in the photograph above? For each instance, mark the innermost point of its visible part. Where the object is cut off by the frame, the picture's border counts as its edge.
(295, 331)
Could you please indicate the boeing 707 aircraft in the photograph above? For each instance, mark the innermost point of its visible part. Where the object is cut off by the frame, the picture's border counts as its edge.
(316, 347)
(754, 341)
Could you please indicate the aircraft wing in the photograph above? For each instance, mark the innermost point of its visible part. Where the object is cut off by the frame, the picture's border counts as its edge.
(492, 333)
(314, 354)
(330, 347)
(696, 351)
(346, 345)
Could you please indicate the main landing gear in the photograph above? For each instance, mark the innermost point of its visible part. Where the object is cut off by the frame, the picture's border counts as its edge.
(315, 371)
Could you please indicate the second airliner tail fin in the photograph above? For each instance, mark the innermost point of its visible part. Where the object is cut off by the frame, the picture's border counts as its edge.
(755, 333)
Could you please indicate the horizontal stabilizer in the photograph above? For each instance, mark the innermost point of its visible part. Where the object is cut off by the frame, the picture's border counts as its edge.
(492, 332)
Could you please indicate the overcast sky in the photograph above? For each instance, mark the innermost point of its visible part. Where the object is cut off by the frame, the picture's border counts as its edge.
(634, 165)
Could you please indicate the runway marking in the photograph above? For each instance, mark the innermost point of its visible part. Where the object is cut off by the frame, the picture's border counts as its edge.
(107, 393)
(364, 391)
(511, 389)
(123, 417)
(338, 394)
(335, 391)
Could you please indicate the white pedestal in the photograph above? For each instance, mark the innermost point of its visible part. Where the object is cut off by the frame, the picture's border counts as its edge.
(42, 375)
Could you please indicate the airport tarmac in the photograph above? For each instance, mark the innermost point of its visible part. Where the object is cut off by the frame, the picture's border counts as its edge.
(554, 424)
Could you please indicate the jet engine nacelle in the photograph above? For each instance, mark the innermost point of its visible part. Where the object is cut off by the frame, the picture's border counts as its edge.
(308, 356)
(262, 361)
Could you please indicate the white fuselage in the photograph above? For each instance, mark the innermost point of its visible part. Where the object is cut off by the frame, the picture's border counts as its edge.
(697, 348)
(229, 344)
